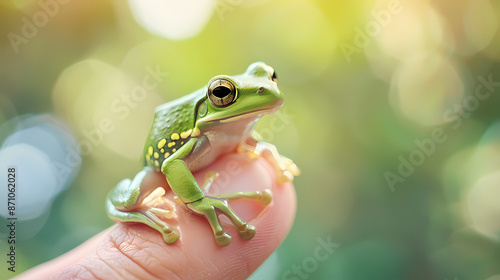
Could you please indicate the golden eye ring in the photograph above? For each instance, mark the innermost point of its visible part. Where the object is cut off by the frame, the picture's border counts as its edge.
(274, 77)
(221, 93)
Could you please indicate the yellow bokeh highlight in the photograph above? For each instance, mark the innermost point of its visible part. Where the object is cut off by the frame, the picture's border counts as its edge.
(309, 39)
(103, 103)
(425, 87)
(416, 29)
(480, 25)
(483, 206)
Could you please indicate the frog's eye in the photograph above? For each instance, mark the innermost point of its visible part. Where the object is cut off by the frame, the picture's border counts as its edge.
(221, 93)
(274, 77)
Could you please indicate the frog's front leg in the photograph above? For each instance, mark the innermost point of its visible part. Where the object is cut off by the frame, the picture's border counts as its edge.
(283, 166)
(125, 204)
(182, 182)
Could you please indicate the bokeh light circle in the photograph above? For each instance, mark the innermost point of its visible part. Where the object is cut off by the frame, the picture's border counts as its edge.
(480, 25)
(42, 152)
(483, 206)
(106, 106)
(298, 40)
(36, 181)
(425, 87)
(171, 19)
(416, 29)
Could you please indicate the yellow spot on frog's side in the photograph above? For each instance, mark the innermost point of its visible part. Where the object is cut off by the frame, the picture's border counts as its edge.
(186, 134)
(157, 155)
(173, 150)
(174, 136)
(150, 150)
(167, 154)
(171, 144)
(162, 150)
(162, 143)
(195, 132)
(157, 163)
(182, 143)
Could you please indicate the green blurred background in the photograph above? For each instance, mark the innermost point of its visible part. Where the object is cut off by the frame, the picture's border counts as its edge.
(391, 113)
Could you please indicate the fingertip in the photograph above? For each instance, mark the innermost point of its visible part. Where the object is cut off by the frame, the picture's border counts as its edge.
(240, 258)
(272, 221)
(140, 250)
(237, 173)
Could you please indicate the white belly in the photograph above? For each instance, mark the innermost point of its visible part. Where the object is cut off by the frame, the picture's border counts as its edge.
(223, 139)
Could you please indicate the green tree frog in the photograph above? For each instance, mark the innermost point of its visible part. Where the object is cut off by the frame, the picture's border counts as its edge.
(191, 132)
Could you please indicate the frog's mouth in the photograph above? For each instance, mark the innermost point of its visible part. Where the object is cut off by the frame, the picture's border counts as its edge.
(245, 115)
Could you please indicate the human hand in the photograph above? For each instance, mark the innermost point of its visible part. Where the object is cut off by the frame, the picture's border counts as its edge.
(135, 251)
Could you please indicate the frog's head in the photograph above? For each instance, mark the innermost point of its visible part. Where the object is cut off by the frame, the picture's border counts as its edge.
(232, 98)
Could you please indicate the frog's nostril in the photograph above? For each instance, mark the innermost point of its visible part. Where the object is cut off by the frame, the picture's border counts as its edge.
(261, 89)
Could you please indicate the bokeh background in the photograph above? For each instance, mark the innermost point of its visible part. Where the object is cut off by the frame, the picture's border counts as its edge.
(391, 112)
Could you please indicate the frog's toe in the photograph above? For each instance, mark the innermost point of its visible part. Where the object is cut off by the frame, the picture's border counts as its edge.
(247, 233)
(170, 235)
(222, 239)
(266, 196)
(285, 177)
(292, 167)
(252, 155)
(168, 214)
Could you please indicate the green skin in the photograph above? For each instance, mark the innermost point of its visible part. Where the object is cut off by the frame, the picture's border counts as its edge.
(191, 132)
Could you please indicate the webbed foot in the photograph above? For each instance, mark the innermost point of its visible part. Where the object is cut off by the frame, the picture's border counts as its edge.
(208, 206)
(222, 239)
(284, 167)
(131, 201)
(170, 237)
(247, 233)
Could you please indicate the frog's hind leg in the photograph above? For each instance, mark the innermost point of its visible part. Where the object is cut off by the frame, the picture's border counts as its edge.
(123, 205)
(170, 234)
(219, 203)
(209, 208)
(245, 230)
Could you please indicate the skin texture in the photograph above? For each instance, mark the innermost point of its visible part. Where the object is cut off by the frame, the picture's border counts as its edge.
(135, 251)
